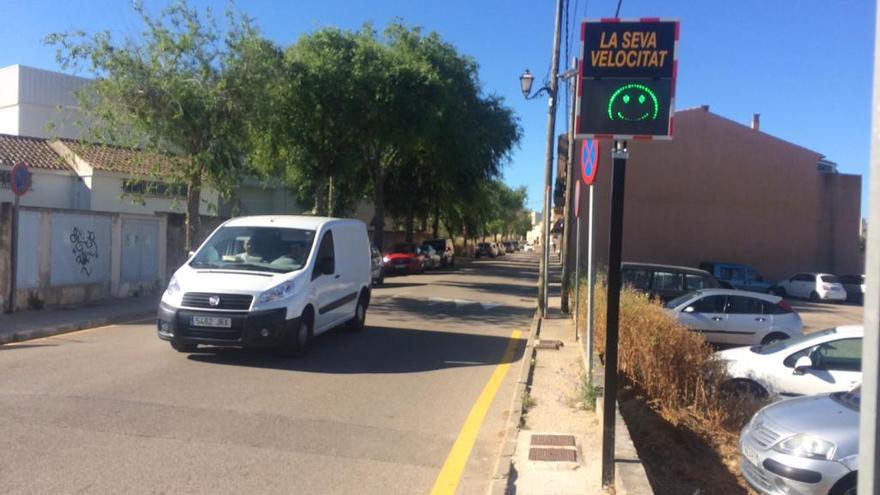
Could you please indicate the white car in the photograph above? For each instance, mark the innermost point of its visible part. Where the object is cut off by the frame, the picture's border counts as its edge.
(529, 248)
(269, 281)
(817, 363)
(812, 286)
(736, 317)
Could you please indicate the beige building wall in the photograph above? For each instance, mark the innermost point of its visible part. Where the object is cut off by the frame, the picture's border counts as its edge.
(722, 191)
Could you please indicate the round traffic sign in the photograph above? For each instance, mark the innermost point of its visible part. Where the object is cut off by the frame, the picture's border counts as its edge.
(20, 177)
(589, 160)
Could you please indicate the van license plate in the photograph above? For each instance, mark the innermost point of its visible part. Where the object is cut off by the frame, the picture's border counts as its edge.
(211, 321)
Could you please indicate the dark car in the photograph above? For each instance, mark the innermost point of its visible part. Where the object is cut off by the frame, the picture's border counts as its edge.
(485, 249)
(508, 247)
(666, 282)
(445, 249)
(405, 257)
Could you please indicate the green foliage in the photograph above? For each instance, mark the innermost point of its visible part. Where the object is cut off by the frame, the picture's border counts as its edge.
(587, 393)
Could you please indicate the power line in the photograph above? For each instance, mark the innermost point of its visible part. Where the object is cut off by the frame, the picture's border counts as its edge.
(617, 12)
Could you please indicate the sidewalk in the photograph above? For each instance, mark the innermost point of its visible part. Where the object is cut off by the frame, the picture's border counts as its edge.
(559, 444)
(33, 324)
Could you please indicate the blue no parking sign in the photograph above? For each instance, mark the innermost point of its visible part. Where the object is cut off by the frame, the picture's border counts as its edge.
(20, 177)
(589, 160)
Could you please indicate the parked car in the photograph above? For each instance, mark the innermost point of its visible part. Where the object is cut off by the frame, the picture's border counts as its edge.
(432, 258)
(854, 286)
(665, 282)
(500, 247)
(812, 286)
(377, 266)
(737, 317)
(486, 249)
(508, 247)
(820, 362)
(807, 445)
(529, 248)
(404, 257)
(269, 281)
(446, 249)
(738, 275)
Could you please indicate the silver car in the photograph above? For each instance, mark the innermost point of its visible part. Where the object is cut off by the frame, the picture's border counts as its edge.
(736, 317)
(806, 446)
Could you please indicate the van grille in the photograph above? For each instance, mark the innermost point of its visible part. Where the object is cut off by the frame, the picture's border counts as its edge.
(234, 302)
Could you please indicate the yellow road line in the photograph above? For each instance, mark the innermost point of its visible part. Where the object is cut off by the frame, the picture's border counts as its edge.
(83, 330)
(447, 480)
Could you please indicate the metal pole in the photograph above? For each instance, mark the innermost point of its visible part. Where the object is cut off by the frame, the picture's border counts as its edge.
(615, 239)
(570, 179)
(13, 258)
(548, 164)
(590, 285)
(577, 276)
(869, 426)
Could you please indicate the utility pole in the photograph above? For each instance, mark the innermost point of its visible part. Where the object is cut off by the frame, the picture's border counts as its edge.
(570, 179)
(548, 166)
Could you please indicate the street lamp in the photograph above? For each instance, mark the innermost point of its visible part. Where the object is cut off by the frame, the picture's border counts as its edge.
(525, 83)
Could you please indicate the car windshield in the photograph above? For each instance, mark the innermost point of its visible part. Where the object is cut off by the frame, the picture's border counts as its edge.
(851, 399)
(403, 248)
(261, 249)
(787, 343)
(830, 279)
(679, 300)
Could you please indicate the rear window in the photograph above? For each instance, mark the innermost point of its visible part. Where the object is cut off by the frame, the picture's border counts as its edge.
(667, 281)
(830, 279)
(696, 282)
(637, 279)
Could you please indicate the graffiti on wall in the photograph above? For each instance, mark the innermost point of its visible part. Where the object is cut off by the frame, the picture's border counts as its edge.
(84, 248)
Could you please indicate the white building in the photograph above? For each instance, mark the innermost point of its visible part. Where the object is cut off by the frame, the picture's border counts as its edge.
(39, 103)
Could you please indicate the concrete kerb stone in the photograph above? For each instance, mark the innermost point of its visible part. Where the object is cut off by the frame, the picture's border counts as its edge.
(49, 331)
(501, 475)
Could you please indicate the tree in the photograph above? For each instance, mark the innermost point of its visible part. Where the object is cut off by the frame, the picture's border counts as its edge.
(169, 90)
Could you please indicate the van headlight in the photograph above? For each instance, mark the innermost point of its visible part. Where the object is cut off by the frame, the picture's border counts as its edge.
(173, 287)
(803, 445)
(280, 291)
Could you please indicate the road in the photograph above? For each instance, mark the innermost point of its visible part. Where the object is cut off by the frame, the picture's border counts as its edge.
(116, 410)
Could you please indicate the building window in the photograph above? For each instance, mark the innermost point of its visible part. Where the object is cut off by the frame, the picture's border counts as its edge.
(5, 179)
(153, 188)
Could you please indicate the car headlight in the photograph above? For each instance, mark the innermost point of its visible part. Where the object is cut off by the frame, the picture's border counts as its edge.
(386, 259)
(280, 291)
(173, 287)
(803, 445)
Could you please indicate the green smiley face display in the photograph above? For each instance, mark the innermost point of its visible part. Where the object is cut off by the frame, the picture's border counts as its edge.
(633, 103)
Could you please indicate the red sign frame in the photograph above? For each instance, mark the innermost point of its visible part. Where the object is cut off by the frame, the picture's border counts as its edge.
(20, 184)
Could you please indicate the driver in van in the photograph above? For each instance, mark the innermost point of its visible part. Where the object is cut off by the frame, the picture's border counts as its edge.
(254, 247)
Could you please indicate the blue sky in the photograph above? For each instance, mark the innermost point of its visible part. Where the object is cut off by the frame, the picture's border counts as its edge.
(804, 65)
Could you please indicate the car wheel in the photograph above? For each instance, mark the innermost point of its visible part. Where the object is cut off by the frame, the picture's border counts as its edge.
(181, 347)
(814, 296)
(739, 387)
(847, 485)
(356, 324)
(298, 341)
(774, 337)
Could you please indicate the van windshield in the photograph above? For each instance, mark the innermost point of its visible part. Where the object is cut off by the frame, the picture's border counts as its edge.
(261, 249)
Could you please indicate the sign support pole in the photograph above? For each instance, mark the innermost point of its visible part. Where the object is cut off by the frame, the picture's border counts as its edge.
(619, 155)
(590, 276)
(13, 258)
(577, 277)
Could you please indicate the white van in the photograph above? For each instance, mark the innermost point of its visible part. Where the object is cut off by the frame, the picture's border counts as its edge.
(269, 281)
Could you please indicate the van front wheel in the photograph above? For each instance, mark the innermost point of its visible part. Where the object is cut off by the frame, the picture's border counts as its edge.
(298, 340)
(357, 323)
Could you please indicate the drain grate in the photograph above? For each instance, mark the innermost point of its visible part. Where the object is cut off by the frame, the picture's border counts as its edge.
(549, 344)
(554, 440)
(552, 455)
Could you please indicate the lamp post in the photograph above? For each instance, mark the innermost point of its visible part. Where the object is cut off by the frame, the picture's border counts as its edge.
(525, 83)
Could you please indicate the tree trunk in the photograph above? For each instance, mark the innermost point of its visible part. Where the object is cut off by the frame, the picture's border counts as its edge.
(379, 210)
(193, 219)
(331, 209)
(409, 226)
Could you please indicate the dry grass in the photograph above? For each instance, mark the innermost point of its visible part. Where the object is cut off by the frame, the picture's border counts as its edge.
(674, 370)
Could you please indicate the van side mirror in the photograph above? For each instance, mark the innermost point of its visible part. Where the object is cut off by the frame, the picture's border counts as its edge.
(802, 365)
(325, 265)
(689, 309)
(190, 254)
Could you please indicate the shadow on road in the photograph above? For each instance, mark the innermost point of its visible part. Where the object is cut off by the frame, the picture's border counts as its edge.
(377, 350)
(403, 309)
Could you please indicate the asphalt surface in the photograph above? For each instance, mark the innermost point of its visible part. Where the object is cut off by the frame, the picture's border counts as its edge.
(116, 410)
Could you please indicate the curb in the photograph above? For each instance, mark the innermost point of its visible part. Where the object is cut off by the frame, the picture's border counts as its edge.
(499, 483)
(49, 331)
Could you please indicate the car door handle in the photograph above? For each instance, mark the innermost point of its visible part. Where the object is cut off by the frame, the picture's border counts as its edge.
(717, 318)
(336, 276)
(760, 319)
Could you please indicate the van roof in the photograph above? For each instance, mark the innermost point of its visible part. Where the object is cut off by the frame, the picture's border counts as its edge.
(307, 222)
